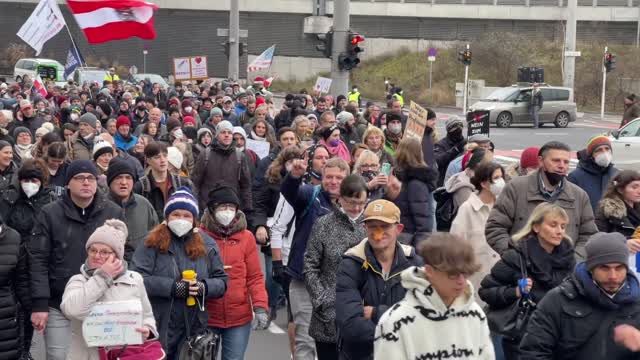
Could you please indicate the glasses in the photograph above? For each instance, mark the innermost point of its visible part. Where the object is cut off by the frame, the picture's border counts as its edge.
(453, 275)
(102, 253)
(82, 179)
(368, 166)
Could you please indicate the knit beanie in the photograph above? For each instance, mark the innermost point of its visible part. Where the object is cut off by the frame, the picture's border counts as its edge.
(595, 142)
(216, 111)
(42, 131)
(606, 248)
(203, 131)
(113, 234)
(224, 125)
(49, 126)
(101, 147)
(326, 132)
(19, 130)
(529, 157)
(174, 156)
(188, 120)
(117, 167)
(181, 199)
(122, 120)
(89, 118)
(240, 130)
(172, 124)
(78, 167)
(453, 122)
(344, 117)
(222, 195)
(106, 108)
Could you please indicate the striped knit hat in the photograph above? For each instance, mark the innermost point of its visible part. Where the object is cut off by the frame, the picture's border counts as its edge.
(182, 199)
(595, 142)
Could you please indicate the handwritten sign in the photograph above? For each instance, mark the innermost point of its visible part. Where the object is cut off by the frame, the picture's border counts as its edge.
(261, 148)
(478, 122)
(417, 121)
(199, 67)
(113, 323)
(181, 68)
(323, 85)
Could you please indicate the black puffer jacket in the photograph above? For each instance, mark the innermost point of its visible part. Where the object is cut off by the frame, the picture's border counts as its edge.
(57, 247)
(445, 151)
(613, 215)
(416, 203)
(9, 176)
(14, 288)
(19, 212)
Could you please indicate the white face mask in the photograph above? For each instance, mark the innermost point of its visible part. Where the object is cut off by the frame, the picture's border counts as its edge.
(224, 217)
(497, 186)
(353, 218)
(188, 109)
(395, 128)
(180, 227)
(603, 159)
(30, 188)
(178, 134)
(74, 116)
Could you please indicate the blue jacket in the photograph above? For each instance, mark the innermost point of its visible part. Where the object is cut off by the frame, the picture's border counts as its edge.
(240, 109)
(161, 271)
(123, 144)
(592, 178)
(300, 196)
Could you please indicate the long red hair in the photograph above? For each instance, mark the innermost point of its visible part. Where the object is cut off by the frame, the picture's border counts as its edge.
(160, 238)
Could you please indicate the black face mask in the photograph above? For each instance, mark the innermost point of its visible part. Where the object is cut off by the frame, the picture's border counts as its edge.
(553, 178)
(141, 108)
(456, 135)
(369, 175)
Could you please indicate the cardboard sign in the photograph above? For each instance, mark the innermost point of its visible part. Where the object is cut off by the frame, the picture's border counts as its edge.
(190, 68)
(261, 148)
(417, 121)
(199, 67)
(323, 85)
(478, 122)
(113, 323)
(181, 69)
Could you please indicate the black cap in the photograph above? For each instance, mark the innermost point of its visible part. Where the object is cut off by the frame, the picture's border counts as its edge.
(117, 167)
(222, 195)
(78, 167)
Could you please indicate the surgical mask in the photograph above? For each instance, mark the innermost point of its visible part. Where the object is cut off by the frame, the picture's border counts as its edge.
(178, 134)
(395, 128)
(603, 159)
(30, 188)
(74, 116)
(180, 227)
(224, 217)
(497, 186)
(554, 178)
(334, 142)
(188, 109)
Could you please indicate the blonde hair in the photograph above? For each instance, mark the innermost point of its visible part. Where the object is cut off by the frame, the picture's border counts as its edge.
(372, 130)
(364, 156)
(537, 217)
(409, 154)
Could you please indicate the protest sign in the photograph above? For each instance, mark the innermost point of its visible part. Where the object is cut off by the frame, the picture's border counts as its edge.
(323, 85)
(417, 121)
(113, 323)
(261, 148)
(478, 122)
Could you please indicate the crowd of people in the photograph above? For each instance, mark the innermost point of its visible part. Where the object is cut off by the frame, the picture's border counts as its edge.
(379, 245)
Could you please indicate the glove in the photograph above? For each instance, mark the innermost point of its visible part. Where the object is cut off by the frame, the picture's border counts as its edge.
(261, 319)
(202, 288)
(279, 272)
(181, 290)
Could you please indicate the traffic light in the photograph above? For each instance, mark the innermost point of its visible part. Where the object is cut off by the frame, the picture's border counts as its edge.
(350, 59)
(225, 46)
(464, 56)
(609, 61)
(326, 44)
(243, 49)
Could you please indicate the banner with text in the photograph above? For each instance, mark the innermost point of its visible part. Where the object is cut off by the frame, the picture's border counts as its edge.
(417, 121)
(113, 323)
(478, 122)
(190, 68)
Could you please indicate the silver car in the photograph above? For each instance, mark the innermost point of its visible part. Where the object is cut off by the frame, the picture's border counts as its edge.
(625, 143)
(510, 105)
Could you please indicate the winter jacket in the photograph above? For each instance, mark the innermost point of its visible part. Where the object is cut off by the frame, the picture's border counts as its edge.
(350, 136)
(57, 180)
(631, 112)
(125, 144)
(14, 289)
(246, 289)
(161, 271)
(445, 151)
(416, 203)
(614, 215)
(222, 166)
(309, 204)
(84, 290)
(57, 246)
(460, 186)
(9, 176)
(32, 123)
(79, 148)
(517, 201)
(469, 223)
(422, 326)
(140, 217)
(428, 141)
(230, 117)
(359, 283)
(576, 321)
(146, 186)
(19, 212)
(282, 228)
(592, 178)
(331, 236)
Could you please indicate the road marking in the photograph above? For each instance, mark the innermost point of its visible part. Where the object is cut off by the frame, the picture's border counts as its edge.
(275, 329)
(551, 134)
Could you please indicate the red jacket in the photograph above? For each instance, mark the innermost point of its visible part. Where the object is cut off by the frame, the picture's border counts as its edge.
(241, 262)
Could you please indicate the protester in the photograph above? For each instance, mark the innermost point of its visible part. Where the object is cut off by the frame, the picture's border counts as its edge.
(528, 163)
(171, 248)
(24, 146)
(240, 142)
(8, 168)
(368, 167)
(429, 138)
(473, 142)
(331, 236)
(392, 133)
(123, 138)
(317, 157)
(619, 209)
(56, 166)
(459, 185)
(438, 306)
(545, 253)
(374, 138)
(203, 141)
(368, 279)
(104, 277)
(334, 144)
(81, 143)
(449, 147)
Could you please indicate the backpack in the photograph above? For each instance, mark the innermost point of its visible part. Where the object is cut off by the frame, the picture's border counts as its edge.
(446, 211)
(239, 158)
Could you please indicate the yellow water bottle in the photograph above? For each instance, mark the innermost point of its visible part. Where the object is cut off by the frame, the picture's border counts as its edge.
(189, 275)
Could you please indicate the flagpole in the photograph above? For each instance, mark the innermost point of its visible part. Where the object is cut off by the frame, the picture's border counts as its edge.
(273, 58)
(75, 48)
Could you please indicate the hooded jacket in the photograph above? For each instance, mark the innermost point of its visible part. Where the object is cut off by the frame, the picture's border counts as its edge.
(422, 326)
(19, 212)
(416, 203)
(125, 144)
(613, 215)
(9, 176)
(592, 178)
(460, 186)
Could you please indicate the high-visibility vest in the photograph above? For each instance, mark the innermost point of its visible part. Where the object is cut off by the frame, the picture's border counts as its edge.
(354, 96)
(113, 78)
(399, 98)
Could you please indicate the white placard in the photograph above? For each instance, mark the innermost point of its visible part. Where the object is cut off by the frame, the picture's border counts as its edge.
(323, 85)
(261, 148)
(181, 68)
(113, 323)
(199, 67)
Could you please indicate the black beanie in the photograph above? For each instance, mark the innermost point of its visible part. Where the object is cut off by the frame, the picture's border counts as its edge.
(222, 195)
(78, 167)
(171, 124)
(118, 167)
(30, 171)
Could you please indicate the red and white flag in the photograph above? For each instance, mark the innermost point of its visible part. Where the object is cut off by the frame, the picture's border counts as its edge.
(39, 86)
(107, 20)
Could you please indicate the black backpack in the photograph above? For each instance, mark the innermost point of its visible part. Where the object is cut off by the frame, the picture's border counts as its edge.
(446, 211)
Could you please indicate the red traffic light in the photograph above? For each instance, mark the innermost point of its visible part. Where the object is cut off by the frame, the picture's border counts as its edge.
(355, 39)
(608, 56)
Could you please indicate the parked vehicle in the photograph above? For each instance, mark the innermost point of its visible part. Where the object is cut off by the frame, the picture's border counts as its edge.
(625, 143)
(47, 68)
(154, 78)
(89, 74)
(510, 105)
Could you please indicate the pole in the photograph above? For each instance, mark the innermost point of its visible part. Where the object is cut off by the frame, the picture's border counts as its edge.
(568, 79)
(638, 29)
(466, 88)
(73, 43)
(144, 61)
(430, 73)
(604, 86)
(340, 78)
(234, 41)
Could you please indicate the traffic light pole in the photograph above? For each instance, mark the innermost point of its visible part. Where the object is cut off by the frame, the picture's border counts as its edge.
(466, 88)
(234, 41)
(340, 78)
(604, 84)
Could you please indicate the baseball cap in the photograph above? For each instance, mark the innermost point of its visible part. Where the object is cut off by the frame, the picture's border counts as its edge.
(226, 98)
(187, 94)
(382, 210)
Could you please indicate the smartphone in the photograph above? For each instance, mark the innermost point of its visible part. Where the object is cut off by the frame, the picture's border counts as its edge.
(385, 169)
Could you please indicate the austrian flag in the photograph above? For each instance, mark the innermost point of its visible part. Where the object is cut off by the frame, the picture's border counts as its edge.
(107, 20)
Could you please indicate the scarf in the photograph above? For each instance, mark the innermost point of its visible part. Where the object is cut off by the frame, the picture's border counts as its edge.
(255, 136)
(393, 138)
(549, 269)
(629, 292)
(87, 270)
(340, 150)
(24, 151)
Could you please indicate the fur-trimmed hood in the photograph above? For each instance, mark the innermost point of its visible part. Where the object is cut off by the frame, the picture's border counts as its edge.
(210, 224)
(613, 208)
